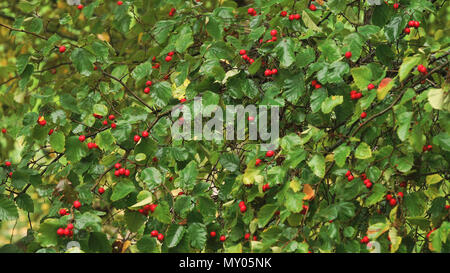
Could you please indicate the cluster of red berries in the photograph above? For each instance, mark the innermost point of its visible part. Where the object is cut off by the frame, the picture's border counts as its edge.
(8, 164)
(414, 24)
(213, 234)
(366, 181)
(392, 201)
(251, 11)
(68, 231)
(316, 84)
(41, 121)
(365, 240)
(111, 118)
(248, 235)
(145, 134)
(156, 234)
(422, 69)
(244, 55)
(169, 56)
(242, 206)
(273, 33)
(265, 187)
(269, 72)
(147, 208)
(147, 87)
(120, 171)
(427, 148)
(291, 17)
(355, 95)
(349, 175)
(172, 12)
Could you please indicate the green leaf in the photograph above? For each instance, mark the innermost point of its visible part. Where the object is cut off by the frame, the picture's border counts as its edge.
(83, 61)
(317, 165)
(330, 102)
(100, 109)
(58, 141)
(25, 202)
(363, 151)
(285, 52)
(362, 76)
(152, 177)
(341, 154)
(122, 189)
(134, 220)
(174, 235)
(47, 236)
(8, 210)
(142, 71)
(147, 244)
(162, 213)
(377, 194)
(265, 214)
(161, 93)
(407, 65)
(197, 235)
(188, 176)
(98, 243)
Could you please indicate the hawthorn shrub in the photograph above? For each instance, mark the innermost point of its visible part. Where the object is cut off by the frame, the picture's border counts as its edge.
(87, 155)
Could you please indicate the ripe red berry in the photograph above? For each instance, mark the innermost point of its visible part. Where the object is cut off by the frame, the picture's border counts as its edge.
(105, 122)
(396, 5)
(429, 147)
(122, 171)
(365, 240)
(416, 24)
(62, 212)
(82, 138)
(50, 132)
(258, 162)
(119, 3)
(117, 166)
(274, 71)
(247, 236)
(283, 13)
(270, 153)
(265, 187)
(366, 181)
(91, 145)
(313, 83)
(168, 58)
(154, 233)
(76, 204)
(116, 173)
(212, 234)
(60, 231)
(113, 125)
(392, 202)
(291, 17)
(4, 131)
(42, 122)
(70, 226)
(153, 207)
(363, 115)
(388, 197)
(368, 185)
(268, 72)
(407, 30)
(370, 86)
(447, 207)
(348, 54)
(350, 177)
(101, 190)
(400, 194)
(297, 16)
(411, 23)
(223, 238)
(62, 49)
(242, 52)
(421, 68)
(160, 237)
(80, 7)
(137, 138)
(312, 7)
(243, 208)
(348, 173)
(251, 11)
(145, 134)
(273, 32)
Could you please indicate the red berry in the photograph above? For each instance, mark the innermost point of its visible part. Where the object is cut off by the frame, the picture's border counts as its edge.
(247, 236)
(77, 204)
(62, 49)
(137, 138)
(101, 190)
(396, 5)
(429, 147)
(274, 71)
(154, 233)
(212, 234)
(153, 207)
(119, 3)
(50, 132)
(388, 197)
(80, 7)
(348, 54)
(350, 177)
(42, 122)
(4, 131)
(91, 145)
(273, 32)
(171, 53)
(113, 125)
(318, 86)
(70, 226)
(268, 72)
(313, 83)
(242, 52)
(297, 16)
(411, 23)
(421, 68)
(223, 238)
(62, 212)
(368, 185)
(251, 11)
(365, 240)
(82, 138)
(283, 13)
(407, 30)
(363, 115)
(312, 7)
(270, 153)
(60, 231)
(416, 24)
(403, 184)
(116, 173)
(400, 194)
(145, 134)
(105, 122)
(348, 173)
(258, 162)
(160, 237)
(447, 207)
(370, 86)
(122, 171)
(168, 58)
(291, 17)
(243, 208)
(392, 202)
(117, 166)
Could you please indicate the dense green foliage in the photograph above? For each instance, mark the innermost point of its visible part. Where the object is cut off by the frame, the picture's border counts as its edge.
(397, 135)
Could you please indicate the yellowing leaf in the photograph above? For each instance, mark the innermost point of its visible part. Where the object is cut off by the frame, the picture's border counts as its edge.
(308, 190)
(433, 179)
(295, 185)
(384, 87)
